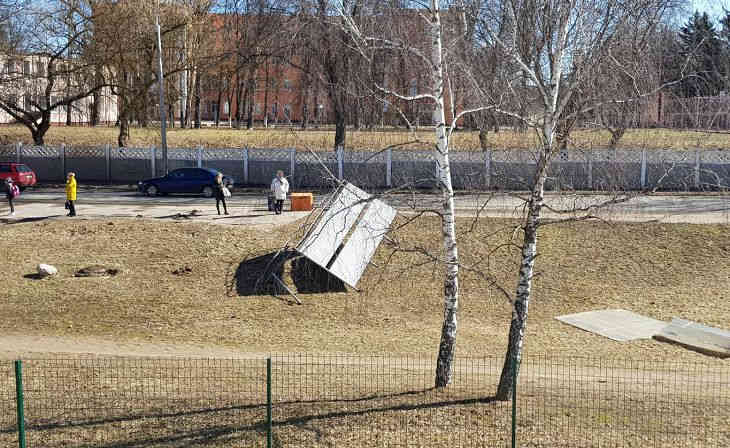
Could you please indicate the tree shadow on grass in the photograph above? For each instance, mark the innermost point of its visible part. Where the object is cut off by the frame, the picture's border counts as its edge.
(253, 276)
(219, 430)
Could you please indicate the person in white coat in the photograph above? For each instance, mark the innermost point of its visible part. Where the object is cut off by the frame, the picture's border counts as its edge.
(279, 187)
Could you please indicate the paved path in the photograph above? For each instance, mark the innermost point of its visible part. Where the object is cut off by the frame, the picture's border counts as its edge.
(250, 208)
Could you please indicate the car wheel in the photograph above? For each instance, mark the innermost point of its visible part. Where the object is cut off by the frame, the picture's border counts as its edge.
(208, 192)
(152, 190)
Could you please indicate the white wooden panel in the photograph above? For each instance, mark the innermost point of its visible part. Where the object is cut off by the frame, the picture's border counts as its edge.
(360, 247)
(333, 225)
(619, 325)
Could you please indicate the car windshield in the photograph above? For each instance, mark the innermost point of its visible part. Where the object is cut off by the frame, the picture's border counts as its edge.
(23, 169)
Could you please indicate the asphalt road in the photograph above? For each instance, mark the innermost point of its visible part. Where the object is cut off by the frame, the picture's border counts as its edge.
(710, 209)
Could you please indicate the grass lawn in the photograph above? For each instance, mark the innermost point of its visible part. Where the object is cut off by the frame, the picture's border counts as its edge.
(654, 269)
(364, 140)
(658, 270)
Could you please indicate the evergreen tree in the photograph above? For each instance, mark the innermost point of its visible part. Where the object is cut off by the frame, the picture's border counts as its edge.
(702, 48)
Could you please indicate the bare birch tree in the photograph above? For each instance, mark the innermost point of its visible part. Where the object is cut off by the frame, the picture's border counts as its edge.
(421, 34)
(560, 50)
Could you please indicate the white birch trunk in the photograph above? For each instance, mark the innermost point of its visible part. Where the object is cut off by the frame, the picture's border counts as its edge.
(521, 305)
(444, 368)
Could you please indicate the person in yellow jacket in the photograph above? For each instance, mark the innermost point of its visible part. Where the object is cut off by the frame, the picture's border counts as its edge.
(71, 194)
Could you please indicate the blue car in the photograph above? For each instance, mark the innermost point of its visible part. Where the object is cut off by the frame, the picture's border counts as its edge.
(184, 180)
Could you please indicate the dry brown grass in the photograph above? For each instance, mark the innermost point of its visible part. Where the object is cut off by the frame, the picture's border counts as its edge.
(658, 270)
(364, 140)
(655, 269)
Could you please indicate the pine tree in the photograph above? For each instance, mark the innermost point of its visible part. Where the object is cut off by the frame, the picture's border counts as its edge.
(703, 50)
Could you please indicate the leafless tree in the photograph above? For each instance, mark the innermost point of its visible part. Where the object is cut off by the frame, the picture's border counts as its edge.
(130, 56)
(562, 50)
(51, 66)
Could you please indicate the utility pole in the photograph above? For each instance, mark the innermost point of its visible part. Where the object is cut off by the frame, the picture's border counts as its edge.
(161, 82)
(184, 82)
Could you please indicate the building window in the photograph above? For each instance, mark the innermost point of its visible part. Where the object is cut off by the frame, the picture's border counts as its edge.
(26, 101)
(226, 108)
(287, 111)
(26, 67)
(214, 109)
(275, 108)
(39, 69)
(287, 84)
(414, 87)
(257, 108)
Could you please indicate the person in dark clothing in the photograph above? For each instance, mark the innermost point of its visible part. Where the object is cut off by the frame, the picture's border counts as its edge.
(8, 188)
(219, 196)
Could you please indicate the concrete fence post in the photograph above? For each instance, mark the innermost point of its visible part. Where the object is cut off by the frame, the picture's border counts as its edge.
(340, 163)
(698, 161)
(292, 161)
(153, 160)
(488, 169)
(245, 165)
(590, 169)
(389, 167)
(643, 168)
(200, 157)
(18, 152)
(62, 155)
(108, 159)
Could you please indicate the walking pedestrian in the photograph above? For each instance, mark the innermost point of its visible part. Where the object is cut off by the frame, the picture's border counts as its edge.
(11, 192)
(220, 194)
(71, 194)
(279, 187)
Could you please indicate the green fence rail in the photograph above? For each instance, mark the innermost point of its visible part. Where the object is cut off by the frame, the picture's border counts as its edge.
(306, 400)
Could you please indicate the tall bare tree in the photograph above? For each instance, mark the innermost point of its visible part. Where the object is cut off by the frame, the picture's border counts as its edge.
(52, 66)
(561, 50)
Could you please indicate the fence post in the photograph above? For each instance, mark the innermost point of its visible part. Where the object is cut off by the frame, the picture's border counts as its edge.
(292, 161)
(19, 402)
(643, 168)
(108, 158)
(514, 401)
(340, 162)
(63, 161)
(389, 167)
(488, 169)
(698, 158)
(200, 157)
(153, 160)
(245, 165)
(590, 170)
(269, 424)
(18, 152)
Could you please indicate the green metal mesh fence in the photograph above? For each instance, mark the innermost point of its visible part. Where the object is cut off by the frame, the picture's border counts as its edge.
(366, 401)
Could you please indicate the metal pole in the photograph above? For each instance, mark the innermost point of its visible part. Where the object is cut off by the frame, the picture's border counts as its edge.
(514, 401)
(161, 83)
(184, 82)
(19, 402)
(269, 425)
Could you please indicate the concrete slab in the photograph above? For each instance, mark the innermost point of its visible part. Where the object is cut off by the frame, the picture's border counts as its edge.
(700, 338)
(619, 325)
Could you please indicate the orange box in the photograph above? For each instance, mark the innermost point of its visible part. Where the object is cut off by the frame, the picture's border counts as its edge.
(302, 202)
